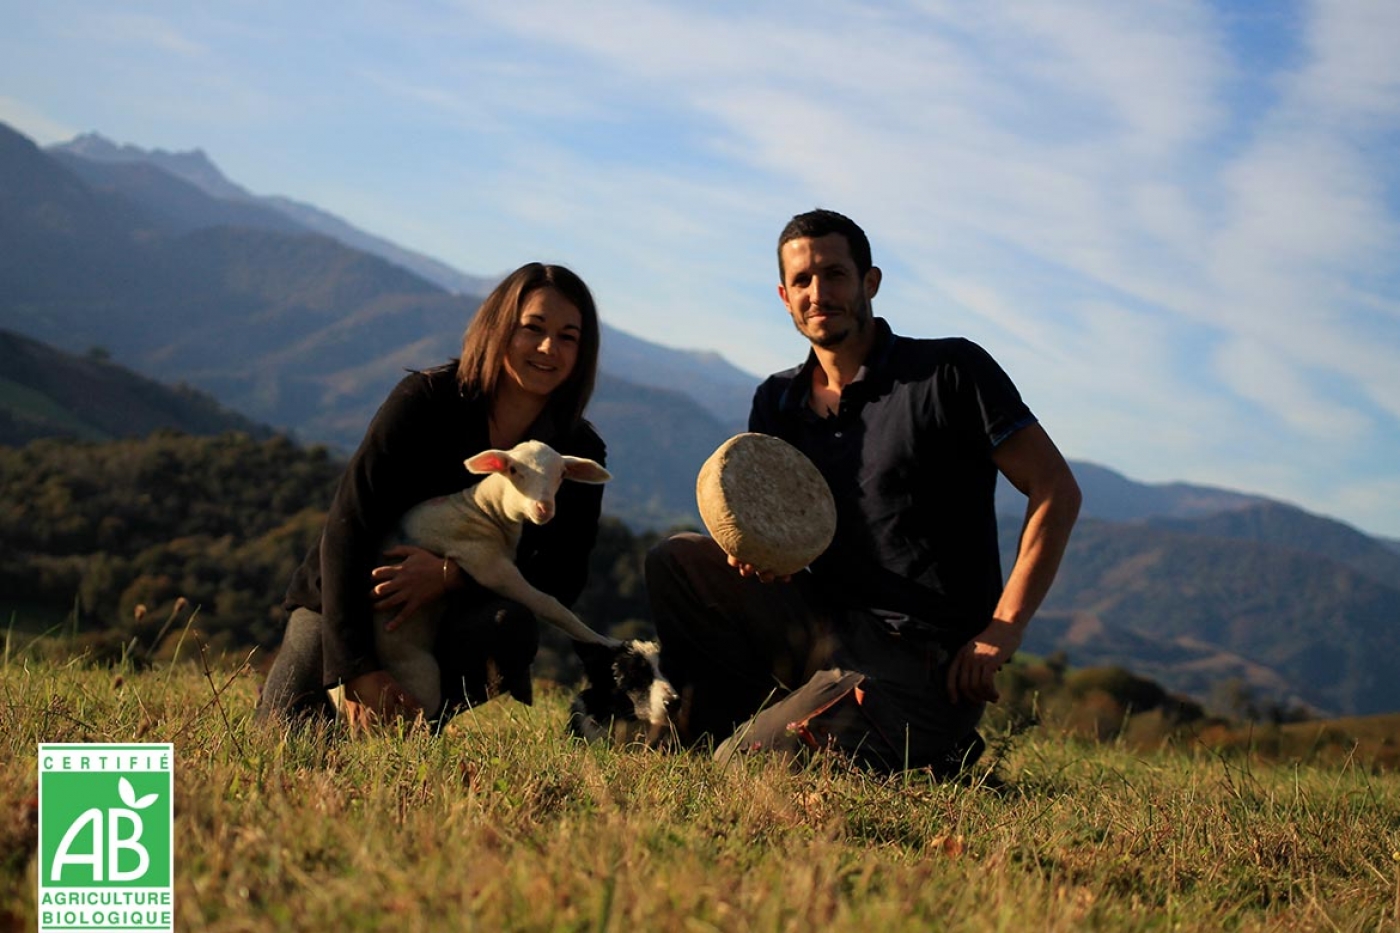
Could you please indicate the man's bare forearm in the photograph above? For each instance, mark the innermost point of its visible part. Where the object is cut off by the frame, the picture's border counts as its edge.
(1034, 465)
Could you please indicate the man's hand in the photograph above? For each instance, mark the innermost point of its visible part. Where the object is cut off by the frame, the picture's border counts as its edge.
(749, 570)
(376, 698)
(412, 580)
(972, 675)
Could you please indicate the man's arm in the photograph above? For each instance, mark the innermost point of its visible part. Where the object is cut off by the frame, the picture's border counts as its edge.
(1030, 460)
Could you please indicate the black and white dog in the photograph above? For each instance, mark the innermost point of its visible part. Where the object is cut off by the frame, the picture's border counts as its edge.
(626, 698)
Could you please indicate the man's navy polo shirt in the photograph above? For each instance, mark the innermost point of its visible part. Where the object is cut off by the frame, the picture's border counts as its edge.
(909, 461)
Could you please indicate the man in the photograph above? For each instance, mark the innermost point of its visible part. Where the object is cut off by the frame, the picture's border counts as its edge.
(888, 646)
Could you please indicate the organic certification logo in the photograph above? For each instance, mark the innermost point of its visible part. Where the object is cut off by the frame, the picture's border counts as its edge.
(106, 837)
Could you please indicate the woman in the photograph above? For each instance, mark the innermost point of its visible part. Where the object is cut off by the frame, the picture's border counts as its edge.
(528, 364)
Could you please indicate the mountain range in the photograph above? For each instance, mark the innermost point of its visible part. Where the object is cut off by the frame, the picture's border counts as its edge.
(292, 318)
(291, 327)
(208, 199)
(1299, 608)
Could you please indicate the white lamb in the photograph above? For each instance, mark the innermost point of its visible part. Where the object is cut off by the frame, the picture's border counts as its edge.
(479, 528)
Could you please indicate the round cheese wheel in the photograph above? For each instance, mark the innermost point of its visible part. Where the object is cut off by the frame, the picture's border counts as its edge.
(766, 504)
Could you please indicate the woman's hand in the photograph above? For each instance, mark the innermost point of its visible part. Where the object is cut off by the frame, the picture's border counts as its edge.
(414, 579)
(375, 698)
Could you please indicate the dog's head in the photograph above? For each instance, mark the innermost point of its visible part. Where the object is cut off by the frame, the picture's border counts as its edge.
(625, 686)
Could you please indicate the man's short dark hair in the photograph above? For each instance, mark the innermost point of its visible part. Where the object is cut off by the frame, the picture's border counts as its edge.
(820, 223)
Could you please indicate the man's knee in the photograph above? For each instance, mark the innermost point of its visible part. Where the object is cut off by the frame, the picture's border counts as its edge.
(666, 558)
(675, 578)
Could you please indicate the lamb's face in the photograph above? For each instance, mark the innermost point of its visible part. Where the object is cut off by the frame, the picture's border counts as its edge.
(534, 480)
(532, 473)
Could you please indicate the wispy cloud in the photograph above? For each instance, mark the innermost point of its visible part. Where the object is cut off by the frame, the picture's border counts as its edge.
(1098, 151)
(40, 127)
(143, 30)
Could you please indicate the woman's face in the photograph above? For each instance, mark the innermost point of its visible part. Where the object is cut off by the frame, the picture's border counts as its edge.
(544, 347)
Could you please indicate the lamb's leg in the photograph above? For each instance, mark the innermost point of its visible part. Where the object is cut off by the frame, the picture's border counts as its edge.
(407, 654)
(504, 578)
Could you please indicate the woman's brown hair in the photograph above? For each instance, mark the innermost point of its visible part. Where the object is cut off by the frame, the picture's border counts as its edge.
(484, 343)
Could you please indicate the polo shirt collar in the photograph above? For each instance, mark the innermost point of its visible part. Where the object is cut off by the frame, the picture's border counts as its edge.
(800, 389)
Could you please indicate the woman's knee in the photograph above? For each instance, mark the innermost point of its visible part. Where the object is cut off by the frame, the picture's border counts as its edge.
(294, 681)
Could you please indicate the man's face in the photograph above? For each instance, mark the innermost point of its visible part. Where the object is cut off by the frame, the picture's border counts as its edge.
(828, 299)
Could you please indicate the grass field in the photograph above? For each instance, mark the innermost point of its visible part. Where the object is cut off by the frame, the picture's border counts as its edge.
(504, 824)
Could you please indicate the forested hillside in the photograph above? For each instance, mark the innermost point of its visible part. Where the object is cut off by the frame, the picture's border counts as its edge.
(1193, 608)
(45, 392)
(89, 532)
(98, 529)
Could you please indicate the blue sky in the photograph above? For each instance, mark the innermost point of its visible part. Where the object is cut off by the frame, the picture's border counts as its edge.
(1176, 224)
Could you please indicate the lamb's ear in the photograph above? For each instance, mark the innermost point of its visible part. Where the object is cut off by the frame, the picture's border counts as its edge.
(488, 461)
(583, 470)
